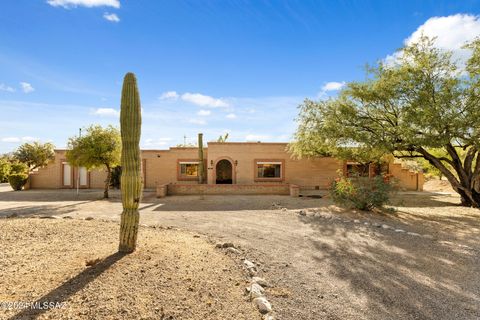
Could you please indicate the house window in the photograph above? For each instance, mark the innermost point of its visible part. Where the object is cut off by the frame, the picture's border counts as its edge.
(269, 170)
(357, 169)
(188, 170)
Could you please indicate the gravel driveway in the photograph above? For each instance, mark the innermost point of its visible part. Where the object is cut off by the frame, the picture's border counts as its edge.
(420, 262)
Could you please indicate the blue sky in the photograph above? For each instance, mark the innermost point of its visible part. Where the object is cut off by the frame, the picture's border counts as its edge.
(221, 66)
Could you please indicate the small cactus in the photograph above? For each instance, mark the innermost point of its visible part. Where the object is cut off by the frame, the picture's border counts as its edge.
(201, 168)
(131, 180)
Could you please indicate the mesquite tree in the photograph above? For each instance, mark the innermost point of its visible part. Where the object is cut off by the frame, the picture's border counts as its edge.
(98, 147)
(423, 105)
(131, 179)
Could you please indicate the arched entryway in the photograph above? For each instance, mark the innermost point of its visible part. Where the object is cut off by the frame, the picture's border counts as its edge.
(224, 172)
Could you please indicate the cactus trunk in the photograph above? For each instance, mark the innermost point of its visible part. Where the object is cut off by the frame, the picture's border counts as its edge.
(201, 168)
(131, 181)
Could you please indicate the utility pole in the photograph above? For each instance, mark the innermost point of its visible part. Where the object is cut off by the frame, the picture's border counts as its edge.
(78, 167)
(184, 140)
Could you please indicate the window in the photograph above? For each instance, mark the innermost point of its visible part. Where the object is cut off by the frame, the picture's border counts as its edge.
(188, 170)
(269, 170)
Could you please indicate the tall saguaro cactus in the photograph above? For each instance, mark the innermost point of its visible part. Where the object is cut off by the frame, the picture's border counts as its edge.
(131, 181)
(201, 167)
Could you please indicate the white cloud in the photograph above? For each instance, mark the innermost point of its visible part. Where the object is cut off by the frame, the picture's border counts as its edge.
(160, 142)
(333, 86)
(4, 87)
(204, 112)
(203, 100)
(198, 121)
(112, 17)
(85, 3)
(231, 116)
(106, 112)
(451, 32)
(256, 137)
(169, 95)
(27, 87)
(17, 139)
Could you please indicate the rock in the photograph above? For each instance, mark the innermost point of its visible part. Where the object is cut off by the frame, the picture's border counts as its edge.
(268, 317)
(67, 217)
(262, 305)
(249, 264)
(46, 217)
(219, 245)
(413, 234)
(233, 250)
(384, 226)
(13, 215)
(356, 221)
(302, 212)
(196, 236)
(228, 245)
(399, 230)
(261, 282)
(89, 218)
(256, 291)
(252, 272)
(428, 236)
(366, 223)
(92, 262)
(378, 225)
(284, 209)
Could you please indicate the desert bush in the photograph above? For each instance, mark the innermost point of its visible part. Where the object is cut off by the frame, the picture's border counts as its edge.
(4, 170)
(361, 192)
(17, 180)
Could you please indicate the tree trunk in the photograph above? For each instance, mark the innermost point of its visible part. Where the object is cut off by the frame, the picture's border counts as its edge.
(107, 182)
(464, 183)
(128, 230)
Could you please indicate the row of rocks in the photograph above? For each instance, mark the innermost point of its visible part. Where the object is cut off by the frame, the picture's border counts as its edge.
(366, 223)
(256, 288)
(256, 291)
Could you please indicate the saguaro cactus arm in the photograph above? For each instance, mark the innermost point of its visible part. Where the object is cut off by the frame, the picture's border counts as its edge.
(131, 180)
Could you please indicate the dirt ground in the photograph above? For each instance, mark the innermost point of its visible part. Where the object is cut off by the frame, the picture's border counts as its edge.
(172, 274)
(421, 261)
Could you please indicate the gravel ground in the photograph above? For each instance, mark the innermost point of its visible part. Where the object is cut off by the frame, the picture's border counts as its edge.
(420, 262)
(172, 275)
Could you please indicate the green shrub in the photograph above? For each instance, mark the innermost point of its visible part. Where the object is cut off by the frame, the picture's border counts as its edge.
(361, 192)
(18, 168)
(17, 180)
(4, 170)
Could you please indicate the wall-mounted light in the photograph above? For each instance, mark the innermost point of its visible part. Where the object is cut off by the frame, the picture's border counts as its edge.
(211, 162)
(236, 162)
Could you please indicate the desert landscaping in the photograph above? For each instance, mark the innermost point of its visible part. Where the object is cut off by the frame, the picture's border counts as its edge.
(320, 261)
(244, 160)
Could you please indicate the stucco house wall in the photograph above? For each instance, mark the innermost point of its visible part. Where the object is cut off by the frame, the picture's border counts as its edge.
(161, 167)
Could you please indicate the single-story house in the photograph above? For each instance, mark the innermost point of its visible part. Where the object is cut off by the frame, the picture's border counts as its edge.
(231, 167)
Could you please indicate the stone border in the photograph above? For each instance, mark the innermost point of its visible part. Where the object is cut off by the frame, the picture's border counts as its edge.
(256, 289)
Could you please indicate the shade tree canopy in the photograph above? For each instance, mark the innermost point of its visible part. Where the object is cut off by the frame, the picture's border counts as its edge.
(98, 147)
(35, 155)
(422, 105)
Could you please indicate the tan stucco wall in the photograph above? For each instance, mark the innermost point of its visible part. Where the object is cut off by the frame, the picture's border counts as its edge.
(161, 167)
(303, 172)
(51, 176)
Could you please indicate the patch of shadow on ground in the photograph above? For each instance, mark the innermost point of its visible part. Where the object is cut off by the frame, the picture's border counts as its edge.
(69, 288)
(400, 276)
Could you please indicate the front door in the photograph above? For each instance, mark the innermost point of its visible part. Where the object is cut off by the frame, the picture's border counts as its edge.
(223, 172)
